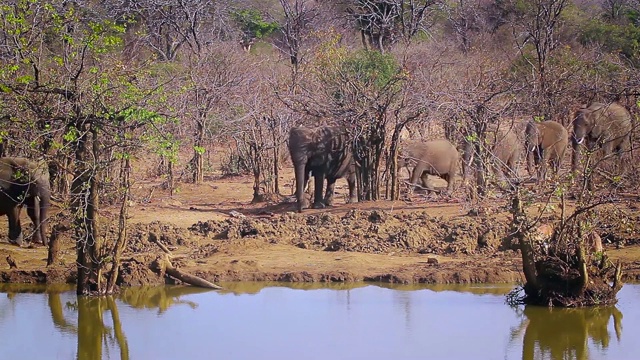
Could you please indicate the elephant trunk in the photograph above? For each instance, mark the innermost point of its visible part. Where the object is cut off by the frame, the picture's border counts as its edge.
(575, 157)
(299, 167)
(531, 144)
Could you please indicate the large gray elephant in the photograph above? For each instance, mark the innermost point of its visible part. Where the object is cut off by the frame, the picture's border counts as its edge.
(324, 153)
(545, 142)
(436, 157)
(505, 149)
(24, 182)
(607, 126)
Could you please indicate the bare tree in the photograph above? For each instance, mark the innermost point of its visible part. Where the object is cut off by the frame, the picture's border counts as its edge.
(298, 14)
(537, 24)
(169, 25)
(213, 81)
(382, 23)
(464, 18)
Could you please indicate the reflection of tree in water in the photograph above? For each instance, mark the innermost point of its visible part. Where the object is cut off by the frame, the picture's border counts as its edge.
(254, 287)
(161, 297)
(564, 333)
(92, 331)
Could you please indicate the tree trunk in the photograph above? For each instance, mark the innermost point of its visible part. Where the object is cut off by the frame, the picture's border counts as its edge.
(170, 179)
(198, 159)
(54, 243)
(121, 242)
(84, 207)
(528, 259)
(276, 172)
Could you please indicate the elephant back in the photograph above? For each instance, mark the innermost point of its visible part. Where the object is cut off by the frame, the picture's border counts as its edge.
(326, 147)
(545, 134)
(607, 121)
(441, 155)
(17, 173)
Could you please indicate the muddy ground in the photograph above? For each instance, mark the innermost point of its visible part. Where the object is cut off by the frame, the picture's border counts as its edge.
(214, 231)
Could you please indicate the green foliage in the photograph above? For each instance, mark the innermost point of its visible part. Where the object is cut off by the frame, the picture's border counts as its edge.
(372, 68)
(199, 149)
(252, 25)
(623, 39)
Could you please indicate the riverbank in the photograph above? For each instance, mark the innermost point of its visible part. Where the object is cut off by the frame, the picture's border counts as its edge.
(211, 233)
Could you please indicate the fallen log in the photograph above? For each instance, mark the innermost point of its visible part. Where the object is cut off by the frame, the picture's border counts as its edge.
(154, 238)
(163, 265)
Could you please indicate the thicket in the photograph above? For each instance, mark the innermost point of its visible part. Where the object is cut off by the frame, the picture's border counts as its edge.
(89, 86)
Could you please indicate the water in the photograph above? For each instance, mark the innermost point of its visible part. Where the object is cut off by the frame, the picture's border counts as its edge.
(309, 321)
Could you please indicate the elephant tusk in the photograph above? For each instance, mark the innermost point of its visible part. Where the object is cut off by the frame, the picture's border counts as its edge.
(580, 141)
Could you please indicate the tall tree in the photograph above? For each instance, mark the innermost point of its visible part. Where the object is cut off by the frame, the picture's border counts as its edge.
(64, 68)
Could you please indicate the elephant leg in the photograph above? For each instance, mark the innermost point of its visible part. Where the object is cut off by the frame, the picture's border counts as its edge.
(533, 160)
(328, 197)
(418, 170)
(302, 177)
(543, 162)
(449, 179)
(33, 210)
(351, 180)
(318, 187)
(15, 230)
(424, 183)
(307, 175)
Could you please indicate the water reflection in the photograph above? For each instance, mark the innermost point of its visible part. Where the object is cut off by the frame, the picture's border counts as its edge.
(159, 297)
(565, 333)
(285, 320)
(90, 326)
(254, 287)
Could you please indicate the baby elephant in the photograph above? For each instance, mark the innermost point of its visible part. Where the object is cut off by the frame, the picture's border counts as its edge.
(436, 157)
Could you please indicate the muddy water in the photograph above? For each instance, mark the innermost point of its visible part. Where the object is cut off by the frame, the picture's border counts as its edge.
(309, 321)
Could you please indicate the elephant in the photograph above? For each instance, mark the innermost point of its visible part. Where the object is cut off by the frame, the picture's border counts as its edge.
(24, 182)
(608, 126)
(435, 157)
(546, 142)
(505, 148)
(321, 152)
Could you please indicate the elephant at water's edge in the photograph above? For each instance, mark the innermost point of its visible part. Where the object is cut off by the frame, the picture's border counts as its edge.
(608, 126)
(436, 157)
(324, 153)
(24, 182)
(546, 142)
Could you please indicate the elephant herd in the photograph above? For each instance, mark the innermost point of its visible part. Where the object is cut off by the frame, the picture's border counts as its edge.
(324, 152)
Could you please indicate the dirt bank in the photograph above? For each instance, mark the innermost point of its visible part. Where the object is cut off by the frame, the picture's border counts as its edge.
(214, 232)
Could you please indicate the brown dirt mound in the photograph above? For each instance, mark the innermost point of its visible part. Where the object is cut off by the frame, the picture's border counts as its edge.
(376, 232)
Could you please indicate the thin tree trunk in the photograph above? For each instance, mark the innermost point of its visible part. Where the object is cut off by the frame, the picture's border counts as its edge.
(198, 160)
(121, 242)
(171, 179)
(54, 243)
(528, 260)
(84, 207)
